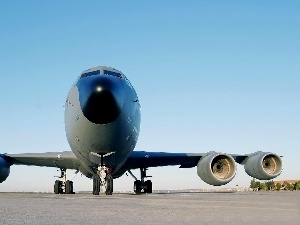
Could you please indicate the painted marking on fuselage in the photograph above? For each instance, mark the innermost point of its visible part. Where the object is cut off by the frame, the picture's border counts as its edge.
(105, 155)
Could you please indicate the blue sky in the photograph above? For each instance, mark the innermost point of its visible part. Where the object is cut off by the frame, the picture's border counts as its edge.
(220, 76)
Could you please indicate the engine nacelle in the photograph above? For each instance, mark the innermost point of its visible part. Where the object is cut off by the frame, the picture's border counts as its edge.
(263, 165)
(4, 169)
(216, 168)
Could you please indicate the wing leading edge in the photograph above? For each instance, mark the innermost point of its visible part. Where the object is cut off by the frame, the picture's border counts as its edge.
(66, 160)
(137, 159)
(142, 159)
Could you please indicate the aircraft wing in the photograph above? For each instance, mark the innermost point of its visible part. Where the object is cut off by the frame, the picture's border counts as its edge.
(142, 159)
(65, 160)
(212, 167)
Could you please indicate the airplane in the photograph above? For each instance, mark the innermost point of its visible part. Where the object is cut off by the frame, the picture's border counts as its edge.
(102, 125)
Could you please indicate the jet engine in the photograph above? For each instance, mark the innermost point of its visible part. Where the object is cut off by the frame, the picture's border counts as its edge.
(263, 165)
(216, 168)
(4, 169)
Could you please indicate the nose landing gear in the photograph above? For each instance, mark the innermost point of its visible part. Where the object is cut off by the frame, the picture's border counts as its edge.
(102, 180)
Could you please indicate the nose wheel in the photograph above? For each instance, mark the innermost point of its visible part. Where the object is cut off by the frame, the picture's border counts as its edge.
(108, 184)
(102, 180)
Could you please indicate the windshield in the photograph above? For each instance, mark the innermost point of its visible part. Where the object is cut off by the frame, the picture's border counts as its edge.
(97, 72)
(107, 72)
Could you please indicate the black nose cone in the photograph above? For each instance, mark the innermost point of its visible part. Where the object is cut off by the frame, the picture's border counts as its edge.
(101, 98)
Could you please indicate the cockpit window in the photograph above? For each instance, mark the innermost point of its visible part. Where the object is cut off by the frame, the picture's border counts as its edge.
(96, 72)
(107, 72)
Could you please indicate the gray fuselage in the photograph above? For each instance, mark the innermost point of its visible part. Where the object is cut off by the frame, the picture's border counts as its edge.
(102, 118)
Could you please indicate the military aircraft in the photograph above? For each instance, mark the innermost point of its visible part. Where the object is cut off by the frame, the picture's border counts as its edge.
(102, 124)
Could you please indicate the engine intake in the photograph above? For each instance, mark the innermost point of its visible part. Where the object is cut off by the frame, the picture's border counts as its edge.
(216, 169)
(263, 165)
(4, 169)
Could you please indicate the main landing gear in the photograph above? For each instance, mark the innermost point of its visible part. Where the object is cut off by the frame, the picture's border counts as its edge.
(63, 186)
(142, 186)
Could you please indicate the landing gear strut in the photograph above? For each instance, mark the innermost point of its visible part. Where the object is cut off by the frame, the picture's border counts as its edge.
(142, 186)
(102, 179)
(63, 186)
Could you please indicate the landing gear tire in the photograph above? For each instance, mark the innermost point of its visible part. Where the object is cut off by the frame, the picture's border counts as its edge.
(108, 184)
(148, 186)
(137, 187)
(58, 187)
(69, 187)
(96, 184)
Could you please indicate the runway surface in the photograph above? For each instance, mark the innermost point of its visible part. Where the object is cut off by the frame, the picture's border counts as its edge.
(164, 208)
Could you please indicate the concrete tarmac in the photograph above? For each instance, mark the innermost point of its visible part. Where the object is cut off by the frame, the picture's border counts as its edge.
(164, 208)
